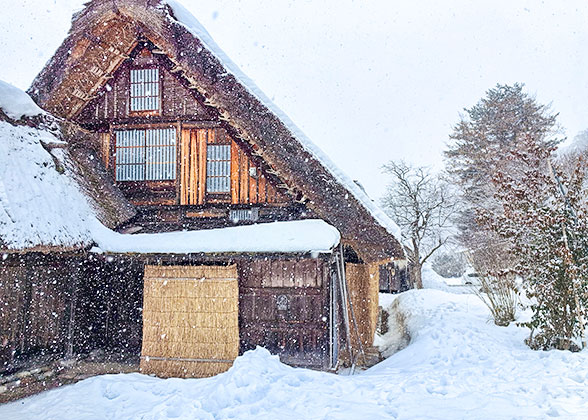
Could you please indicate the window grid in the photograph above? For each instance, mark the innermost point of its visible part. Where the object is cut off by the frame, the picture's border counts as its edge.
(146, 154)
(145, 89)
(218, 168)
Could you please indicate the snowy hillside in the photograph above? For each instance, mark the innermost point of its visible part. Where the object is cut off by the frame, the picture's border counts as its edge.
(459, 365)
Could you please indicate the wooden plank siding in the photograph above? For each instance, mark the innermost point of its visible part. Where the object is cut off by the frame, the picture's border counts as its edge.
(52, 305)
(198, 126)
(249, 183)
(284, 306)
(112, 102)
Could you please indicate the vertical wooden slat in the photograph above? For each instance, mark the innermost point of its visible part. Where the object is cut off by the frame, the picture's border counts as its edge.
(278, 273)
(262, 193)
(234, 172)
(202, 140)
(105, 148)
(178, 157)
(244, 184)
(252, 184)
(288, 268)
(271, 193)
(194, 168)
(185, 168)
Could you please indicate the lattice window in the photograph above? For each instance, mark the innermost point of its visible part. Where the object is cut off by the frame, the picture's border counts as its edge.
(240, 215)
(145, 90)
(218, 168)
(146, 154)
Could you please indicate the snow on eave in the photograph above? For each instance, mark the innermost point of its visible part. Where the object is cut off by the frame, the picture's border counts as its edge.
(301, 236)
(183, 17)
(16, 104)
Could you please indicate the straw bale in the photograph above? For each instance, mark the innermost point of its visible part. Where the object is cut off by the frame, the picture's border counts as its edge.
(373, 296)
(191, 271)
(174, 349)
(360, 282)
(185, 304)
(185, 287)
(182, 369)
(190, 335)
(183, 319)
(187, 318)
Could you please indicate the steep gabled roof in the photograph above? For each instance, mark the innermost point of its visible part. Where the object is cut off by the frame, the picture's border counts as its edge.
(49, 192)
(105, 31)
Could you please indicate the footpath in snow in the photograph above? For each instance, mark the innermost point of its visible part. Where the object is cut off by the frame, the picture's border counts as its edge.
(458, 365)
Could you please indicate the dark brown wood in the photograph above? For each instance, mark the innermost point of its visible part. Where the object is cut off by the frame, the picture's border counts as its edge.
(44, 314)
(284, 307)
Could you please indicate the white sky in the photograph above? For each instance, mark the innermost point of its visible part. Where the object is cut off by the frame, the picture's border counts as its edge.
(367, 80)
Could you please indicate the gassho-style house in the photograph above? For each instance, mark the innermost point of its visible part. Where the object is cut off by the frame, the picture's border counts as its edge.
(160, 205)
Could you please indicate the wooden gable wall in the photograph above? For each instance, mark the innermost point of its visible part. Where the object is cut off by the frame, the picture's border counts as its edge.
(197, 126)
(112, 103)
(249, 181)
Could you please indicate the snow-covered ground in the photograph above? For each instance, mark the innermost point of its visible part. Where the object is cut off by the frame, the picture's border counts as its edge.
(458, 365)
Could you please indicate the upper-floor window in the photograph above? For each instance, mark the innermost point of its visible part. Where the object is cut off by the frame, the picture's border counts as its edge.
(145, 90)
(146, 154)
(218, 168)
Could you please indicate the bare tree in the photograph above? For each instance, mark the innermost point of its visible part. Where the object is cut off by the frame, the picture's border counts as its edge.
(421, 204)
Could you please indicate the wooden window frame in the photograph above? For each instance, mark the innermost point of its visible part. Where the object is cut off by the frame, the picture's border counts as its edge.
(217, 197)
(221, 162)
(147, 113)
(145, 127)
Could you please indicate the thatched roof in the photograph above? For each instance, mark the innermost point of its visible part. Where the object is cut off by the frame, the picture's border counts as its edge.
(49, 191)
(106, 31)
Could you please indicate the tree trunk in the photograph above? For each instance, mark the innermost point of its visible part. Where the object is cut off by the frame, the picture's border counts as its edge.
(415, 274)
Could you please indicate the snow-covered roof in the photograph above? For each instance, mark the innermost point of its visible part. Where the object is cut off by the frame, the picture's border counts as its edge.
(186, 18)
(44, 203)
(17, 104)
(40, 204)
(300, 236)
(301, 168)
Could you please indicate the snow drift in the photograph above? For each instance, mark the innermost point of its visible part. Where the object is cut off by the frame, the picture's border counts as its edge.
(458, 365)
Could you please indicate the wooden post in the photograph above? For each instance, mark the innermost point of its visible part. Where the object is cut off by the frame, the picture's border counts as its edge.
(72, 315)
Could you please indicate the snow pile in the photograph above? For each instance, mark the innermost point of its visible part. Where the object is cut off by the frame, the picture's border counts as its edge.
(458, 365)
(17, 104)
(40, 204)
(303, 236)
(185, 18)
(463, 366)
(432, 280)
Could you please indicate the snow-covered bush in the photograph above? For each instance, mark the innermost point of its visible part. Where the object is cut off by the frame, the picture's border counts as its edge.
(449, 264)
(500, 294)
(497, 280)
(544, 218)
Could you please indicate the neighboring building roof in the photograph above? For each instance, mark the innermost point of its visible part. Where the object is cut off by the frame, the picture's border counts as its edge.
(300, 236)
(16, 104)
(45, 201)
(105, 31)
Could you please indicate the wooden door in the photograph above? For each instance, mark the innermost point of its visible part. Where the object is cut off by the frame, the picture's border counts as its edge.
(284, 307)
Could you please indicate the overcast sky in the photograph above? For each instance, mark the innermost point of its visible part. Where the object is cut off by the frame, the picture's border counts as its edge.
(368, 81)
